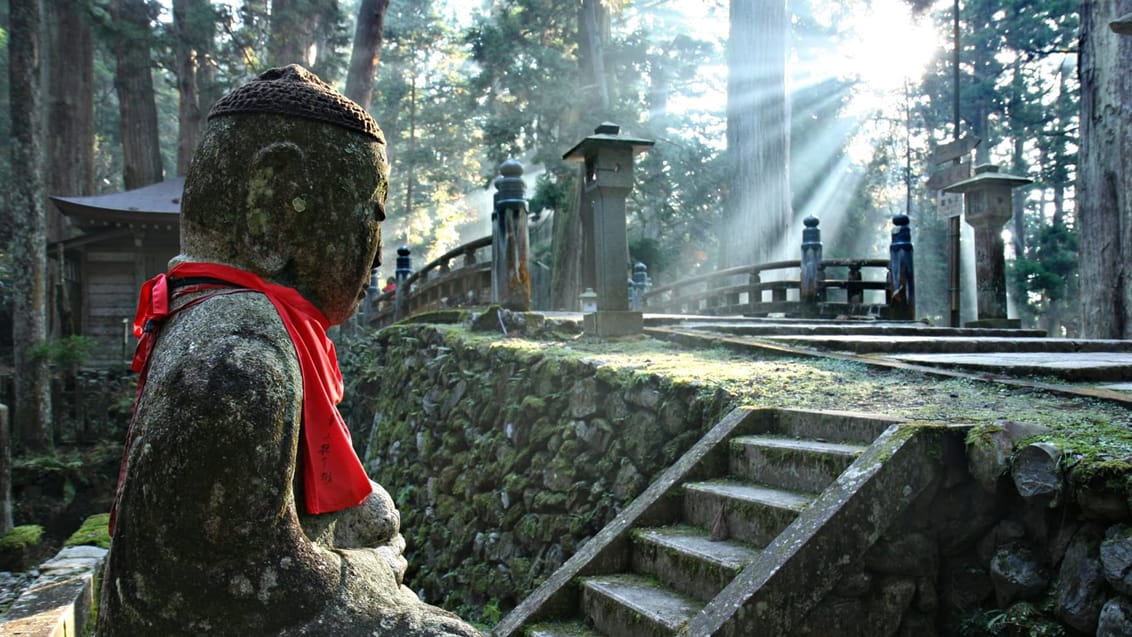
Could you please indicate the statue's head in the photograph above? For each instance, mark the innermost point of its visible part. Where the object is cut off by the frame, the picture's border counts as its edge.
(289, 182)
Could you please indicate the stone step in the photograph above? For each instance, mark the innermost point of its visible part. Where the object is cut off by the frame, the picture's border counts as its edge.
(627, 605)
(561, 629)
(828, 426)
(885, 344)
(790, 463)
(688, 560)
(751, 513)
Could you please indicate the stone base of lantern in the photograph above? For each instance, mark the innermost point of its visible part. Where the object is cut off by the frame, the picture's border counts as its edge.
(610, 323)
(996, 323)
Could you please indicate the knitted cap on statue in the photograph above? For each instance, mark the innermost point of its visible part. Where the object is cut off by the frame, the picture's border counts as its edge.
(236, 508)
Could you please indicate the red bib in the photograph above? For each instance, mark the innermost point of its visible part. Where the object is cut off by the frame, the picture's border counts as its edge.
(333, 477)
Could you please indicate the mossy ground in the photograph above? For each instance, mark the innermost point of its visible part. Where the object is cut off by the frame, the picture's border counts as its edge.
(1085, 425)
(557, 371)
(21, 537)
(95, 531)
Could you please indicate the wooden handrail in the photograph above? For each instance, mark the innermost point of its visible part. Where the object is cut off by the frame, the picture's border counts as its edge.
(438, 284)
(719, 293)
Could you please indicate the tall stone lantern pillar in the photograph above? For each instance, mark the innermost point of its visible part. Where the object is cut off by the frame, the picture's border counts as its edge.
(987, 197)
(608, 159)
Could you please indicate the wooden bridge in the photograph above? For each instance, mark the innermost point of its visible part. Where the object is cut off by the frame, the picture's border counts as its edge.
(806, 287)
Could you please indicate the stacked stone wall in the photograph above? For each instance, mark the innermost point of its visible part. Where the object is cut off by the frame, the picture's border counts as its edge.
(981, 554)
(502, 460)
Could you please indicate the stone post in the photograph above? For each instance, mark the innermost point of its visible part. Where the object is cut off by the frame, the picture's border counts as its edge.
(401, 294)
(810, 285)
(639, 284)
(901, 288)
(608, 160)
(988, 201)
(510, 243)
(372, 292)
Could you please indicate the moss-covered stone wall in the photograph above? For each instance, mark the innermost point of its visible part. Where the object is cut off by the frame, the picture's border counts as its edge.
(503, 460)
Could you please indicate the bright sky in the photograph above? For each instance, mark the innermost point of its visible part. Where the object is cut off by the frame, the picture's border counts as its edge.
(880, 42)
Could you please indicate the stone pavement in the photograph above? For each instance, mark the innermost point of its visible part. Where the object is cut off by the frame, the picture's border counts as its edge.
(1103, 366)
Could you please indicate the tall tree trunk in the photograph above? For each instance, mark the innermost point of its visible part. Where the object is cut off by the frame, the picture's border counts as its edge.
(567, 271)
(570, 270)
(29, 233)
(758, 133)
(292, 34)
(133, 82)
(70, 138)
(1019, 165)
(70, 141)
(325, 21)
(591, 36)
(193, 28)
(366, 51)
(1104, 184)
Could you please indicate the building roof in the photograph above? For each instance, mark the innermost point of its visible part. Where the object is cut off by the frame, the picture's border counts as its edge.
(155, 205)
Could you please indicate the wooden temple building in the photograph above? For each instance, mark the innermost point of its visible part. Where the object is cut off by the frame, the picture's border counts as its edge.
(118, 240)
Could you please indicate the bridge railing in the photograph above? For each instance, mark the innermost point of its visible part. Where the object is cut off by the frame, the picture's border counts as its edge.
(806, 287)
(845, 287)
(460, 277)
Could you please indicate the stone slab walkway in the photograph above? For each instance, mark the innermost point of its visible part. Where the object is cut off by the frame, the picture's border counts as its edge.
(1002, 353)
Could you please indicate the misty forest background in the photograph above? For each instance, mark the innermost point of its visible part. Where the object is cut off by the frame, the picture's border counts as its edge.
(758, 123)
(459, 89)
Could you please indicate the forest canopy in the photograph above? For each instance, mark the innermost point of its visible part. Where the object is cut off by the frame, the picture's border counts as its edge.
(460, 90)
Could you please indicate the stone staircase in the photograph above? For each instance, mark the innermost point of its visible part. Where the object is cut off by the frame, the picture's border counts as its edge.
(757, 498)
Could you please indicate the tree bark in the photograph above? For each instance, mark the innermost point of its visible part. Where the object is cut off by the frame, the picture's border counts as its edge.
(572, 269)
(133, 82)
(292, 33)
(1104, 210)
(5, 472)
(29, 234)
(192, 26)
(567, 277)
(70, 139)
(366, 51)
(591, 37)
(758, 133)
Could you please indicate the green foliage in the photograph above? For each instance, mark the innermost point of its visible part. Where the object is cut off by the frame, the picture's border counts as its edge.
(95, 531)
(21, 538)
(1047, 272)
(1022, 618)
(3, 38)
(66, 353)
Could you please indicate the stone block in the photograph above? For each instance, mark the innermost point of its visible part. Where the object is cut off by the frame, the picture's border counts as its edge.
(610, 324)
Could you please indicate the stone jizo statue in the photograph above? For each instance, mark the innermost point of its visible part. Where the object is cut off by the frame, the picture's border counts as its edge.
(242, 508)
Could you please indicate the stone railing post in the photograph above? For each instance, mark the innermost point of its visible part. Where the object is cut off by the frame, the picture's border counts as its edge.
(638, 285)
(608, 159)
(401, 294)
(510, 255)
(810, 285)
(901, 292)
(373, 290)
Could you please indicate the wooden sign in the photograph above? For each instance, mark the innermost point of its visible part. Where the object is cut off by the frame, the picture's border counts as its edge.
(950, 205)
(944, 177)
(954, 150)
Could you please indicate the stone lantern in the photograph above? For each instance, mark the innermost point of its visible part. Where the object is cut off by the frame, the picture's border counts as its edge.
(988, 197)
(588, 301)
(608, 159)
